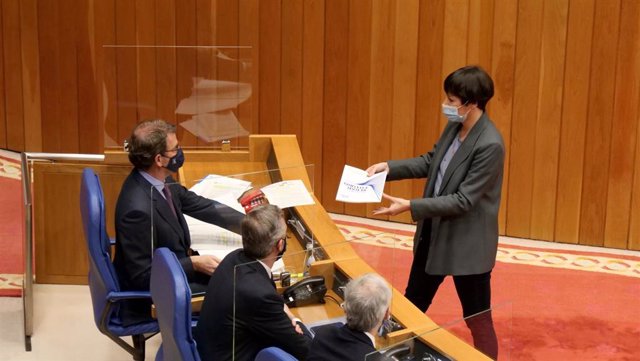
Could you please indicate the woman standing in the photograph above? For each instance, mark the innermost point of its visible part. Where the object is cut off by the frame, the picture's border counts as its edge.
(457, 232)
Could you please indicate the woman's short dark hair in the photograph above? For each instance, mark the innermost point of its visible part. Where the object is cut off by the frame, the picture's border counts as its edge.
(471, 84)
(148, 139)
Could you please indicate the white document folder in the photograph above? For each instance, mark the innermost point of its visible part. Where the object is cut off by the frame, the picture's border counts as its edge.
(357, 187)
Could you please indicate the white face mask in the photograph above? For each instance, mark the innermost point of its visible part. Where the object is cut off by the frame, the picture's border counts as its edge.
(451, 112)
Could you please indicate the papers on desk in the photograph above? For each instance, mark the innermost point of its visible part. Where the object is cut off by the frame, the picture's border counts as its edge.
(211, 239)
(225, 190)
(288, 193)
(357, 187)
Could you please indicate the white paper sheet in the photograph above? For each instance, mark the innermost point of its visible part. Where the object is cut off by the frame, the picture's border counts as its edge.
(357, 187)
(225, 190)
(289, 193)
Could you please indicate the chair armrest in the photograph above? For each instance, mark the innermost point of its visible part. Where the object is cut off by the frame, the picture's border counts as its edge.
(118, 296)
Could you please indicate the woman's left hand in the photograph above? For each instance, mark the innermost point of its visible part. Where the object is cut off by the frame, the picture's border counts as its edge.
(396, 206)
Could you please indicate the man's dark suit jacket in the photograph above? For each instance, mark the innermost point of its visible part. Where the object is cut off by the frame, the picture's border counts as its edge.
(137, 205)
(260, 320)
(333, 343)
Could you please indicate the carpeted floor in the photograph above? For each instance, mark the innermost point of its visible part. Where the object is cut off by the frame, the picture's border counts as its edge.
(10, 224)
(548, 304)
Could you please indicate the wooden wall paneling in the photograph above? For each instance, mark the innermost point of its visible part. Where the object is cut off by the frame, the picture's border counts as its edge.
(166, 72)
(525, 104)
(404, 93)
(480, 38)
(335, 100)
(68, 76)
(206, 38)
(575, 100)
(547, 127)
(383, 18)
(227, 34)
(358, 96)
(126, 68)
(596, 152)
(105, 68)
(624, 127)
(3, 120)
(50, 194)
(12, 46)
(270, 63)
(502, 71)
(30, 76)
(146, 59)
(291, 68)
(429, 93)
(206, 35)
(186, 68)
(312, 89)
(634, 223)
(48, 38)
(455, 39)
(248, 36)
(90, 134)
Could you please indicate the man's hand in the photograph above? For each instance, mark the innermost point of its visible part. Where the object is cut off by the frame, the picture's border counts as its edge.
(294, 320)
(397, 206)
(377, 168)
(297, 327)
(205, 264)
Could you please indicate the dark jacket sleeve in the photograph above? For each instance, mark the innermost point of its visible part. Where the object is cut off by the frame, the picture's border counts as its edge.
(410, 168)
(272, 323)
(208, 210)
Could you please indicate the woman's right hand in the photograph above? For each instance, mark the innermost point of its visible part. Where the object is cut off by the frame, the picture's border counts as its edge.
(377, 168)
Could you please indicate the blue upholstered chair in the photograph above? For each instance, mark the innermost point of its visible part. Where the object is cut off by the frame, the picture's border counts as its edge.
(103, 281)
(172, 297)
(274, 354)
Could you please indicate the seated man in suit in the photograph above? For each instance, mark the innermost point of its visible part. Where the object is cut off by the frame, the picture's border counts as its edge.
(259, 317)
(366, 305)
(150, 213)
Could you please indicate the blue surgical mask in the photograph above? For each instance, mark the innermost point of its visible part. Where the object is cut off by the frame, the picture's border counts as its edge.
(176, 161)
(451, 112)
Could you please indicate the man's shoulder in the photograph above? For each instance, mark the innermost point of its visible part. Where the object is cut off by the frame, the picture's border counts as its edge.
(241, 266)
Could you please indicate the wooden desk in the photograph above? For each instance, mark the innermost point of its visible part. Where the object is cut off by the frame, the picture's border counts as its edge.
(61, 253)
(282, 154)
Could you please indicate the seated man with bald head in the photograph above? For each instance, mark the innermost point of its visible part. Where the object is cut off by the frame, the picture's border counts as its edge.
(366, 305)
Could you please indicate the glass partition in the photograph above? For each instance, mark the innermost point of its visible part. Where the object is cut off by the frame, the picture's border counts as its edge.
(314, 272)
(311, 293)
(470, 338)
(206, 91)
(227, 190)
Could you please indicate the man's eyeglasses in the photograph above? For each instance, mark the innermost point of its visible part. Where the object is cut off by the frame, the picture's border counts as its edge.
(173, 150)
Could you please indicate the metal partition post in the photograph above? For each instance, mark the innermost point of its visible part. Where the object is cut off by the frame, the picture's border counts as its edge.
(27, 282)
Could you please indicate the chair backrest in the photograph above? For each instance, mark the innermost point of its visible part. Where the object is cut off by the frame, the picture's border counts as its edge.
(274, 354)
(172, 297)
(102, 275)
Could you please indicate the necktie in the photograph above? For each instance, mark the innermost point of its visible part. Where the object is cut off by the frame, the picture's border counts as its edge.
(167, 195)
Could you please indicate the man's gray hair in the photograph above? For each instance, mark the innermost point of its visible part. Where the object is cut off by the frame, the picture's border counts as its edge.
(366, 299)
(261, 229)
